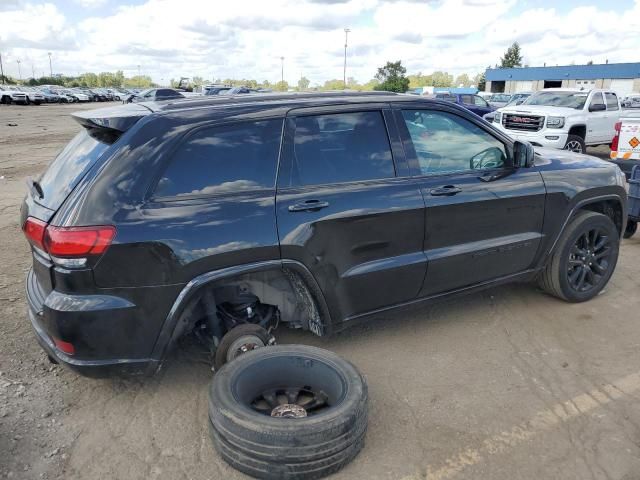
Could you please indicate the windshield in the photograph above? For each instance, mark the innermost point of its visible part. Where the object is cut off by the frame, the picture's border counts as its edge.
(558, 99)
(500, 98)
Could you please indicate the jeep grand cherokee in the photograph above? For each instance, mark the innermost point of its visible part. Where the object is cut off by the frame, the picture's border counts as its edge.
(312, 210)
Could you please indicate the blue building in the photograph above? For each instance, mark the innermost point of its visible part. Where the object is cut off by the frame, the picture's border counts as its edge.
(623, 78)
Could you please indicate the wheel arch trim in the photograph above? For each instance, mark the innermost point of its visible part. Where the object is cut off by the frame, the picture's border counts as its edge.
(581, 204)
(191, 289)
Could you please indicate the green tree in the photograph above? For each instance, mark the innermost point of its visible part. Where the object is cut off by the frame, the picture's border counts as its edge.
(370, 85)
(333, 84)
(282, 86)
(480, 82)
(352, 84)
(441, 79)
(512, 57)
(463, 80)
(303, 83)
(392, 78)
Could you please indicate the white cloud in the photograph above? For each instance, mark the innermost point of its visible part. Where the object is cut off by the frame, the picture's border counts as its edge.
(91, 3)
(173, 38)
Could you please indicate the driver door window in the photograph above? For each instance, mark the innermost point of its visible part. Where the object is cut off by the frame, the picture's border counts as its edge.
(446, 143)
(479, 101)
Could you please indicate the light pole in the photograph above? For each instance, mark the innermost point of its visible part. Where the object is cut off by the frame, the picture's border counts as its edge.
(344, 71)
(19, 70)
(50, 66)
(1, 69)
(139, 78)
(282, 72)
(33, 72)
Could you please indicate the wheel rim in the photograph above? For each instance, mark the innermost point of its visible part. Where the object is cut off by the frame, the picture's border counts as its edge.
(589, 260)
(291, 402)
(573, 146)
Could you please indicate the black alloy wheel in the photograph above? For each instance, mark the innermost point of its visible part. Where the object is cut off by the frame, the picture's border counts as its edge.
(589, 260)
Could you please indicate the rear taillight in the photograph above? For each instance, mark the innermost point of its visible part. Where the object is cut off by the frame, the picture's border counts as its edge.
(73, 242)
(34, 231)
(614, 142)
(68, 242)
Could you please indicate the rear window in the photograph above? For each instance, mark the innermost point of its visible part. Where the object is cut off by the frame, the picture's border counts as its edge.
(225, 159)
(612, 101)
(69, 167)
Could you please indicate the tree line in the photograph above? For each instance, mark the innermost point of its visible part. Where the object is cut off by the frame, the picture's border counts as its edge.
(391, 77)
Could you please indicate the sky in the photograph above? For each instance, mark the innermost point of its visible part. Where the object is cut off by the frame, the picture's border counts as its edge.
(246, 38)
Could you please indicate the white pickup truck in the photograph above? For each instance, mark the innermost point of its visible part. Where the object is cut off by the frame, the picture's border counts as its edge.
(625, 146)
(563, 118)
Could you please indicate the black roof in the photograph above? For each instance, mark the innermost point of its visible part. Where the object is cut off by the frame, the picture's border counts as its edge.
(122, 117)
(290, 99)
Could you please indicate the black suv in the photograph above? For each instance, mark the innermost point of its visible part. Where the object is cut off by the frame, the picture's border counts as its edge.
(221, 214)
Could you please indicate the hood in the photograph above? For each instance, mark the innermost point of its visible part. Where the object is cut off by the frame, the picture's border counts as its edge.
(546, 156)
(542, 110)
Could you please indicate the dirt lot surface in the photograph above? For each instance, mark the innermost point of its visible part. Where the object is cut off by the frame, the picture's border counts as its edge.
(507, 384)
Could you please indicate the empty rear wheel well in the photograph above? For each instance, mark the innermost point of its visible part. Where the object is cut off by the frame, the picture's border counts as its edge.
(610, 208)
(285, 289)
(579, 130)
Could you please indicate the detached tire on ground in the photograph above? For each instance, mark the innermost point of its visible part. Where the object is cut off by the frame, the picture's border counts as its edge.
(288, 412)
(584, 259)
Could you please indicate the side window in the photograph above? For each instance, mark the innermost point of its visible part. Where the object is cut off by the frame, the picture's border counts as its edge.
(467, 99)
(444, 142)
(596, 100)
(612, 101)
(341, 147)
(225, 159)
(479, 101)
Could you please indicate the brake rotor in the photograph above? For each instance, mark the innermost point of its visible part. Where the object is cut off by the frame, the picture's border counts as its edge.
(243, 344)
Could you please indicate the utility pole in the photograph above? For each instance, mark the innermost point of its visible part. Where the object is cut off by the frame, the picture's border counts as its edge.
(50, 66)
(1, 69)
(344, 72)
(139, 78)
(19, 70)
(33, 72)
(282, 72)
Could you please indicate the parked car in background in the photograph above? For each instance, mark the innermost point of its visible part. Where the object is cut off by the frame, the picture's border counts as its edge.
(475, 103)
(240, 91)
(215, 89)
(33, 95)
(498, 100)
(631, 101)
(49, 97)
(516, 99)
(76, 95)
(10, 94)
(154, 95)
(625, 146)
(563, 118)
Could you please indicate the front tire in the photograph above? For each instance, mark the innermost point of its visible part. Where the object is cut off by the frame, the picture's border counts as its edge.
(584, 259)
(288, 412)
(575, 144)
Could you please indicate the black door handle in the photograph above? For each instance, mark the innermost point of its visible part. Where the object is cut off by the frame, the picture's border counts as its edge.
(445, 190)
(308, 206)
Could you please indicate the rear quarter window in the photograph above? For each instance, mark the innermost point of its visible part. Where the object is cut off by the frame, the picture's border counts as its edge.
(69, 167)
(222, 160)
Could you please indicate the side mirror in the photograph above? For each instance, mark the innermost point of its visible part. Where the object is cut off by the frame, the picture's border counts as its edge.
(523, 154)
(598, 107)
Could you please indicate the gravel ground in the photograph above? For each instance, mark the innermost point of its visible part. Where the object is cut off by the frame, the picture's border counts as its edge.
(506, 384)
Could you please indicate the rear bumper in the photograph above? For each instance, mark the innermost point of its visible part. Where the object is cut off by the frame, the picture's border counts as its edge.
(47, 322)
